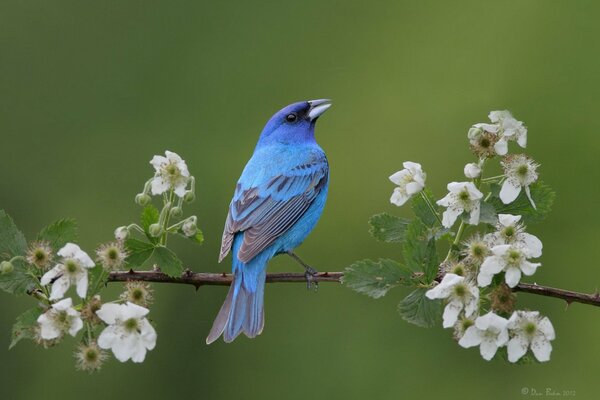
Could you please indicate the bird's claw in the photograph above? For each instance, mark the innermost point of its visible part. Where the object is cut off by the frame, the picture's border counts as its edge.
(311, 283)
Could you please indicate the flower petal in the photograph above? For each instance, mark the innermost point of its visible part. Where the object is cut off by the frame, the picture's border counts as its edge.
(512, 276)
(159, 185)
(131, 310)
(48, 330)
(529, 268)
(541, 348)
(148, 334)
(50, 275)
(398, 177)
(532, 243)
(107, 338)
(124, 347)
(109, 313)
(471, 338)
(450, 215)
(76, 326)
(517, 347)
(501, 147)
(545, 326)
(82, 283)
(509, 192)
(158, 161)
(59, 288)
(475, 212)
(398, 198)
(451, 313)
(508, 219)
(63, 305)
(413, 188)
(488, 349)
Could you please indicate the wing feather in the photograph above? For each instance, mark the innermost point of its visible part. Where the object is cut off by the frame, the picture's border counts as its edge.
(267, 211)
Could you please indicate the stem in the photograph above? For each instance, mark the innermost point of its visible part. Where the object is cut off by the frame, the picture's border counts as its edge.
(493, 178)
(431, 207)
(461, 230)
(166, 216)
(137, 228)
(198, 279)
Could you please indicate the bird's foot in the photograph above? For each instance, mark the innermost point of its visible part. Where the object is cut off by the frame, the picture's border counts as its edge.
(310, 273)
(311, 283)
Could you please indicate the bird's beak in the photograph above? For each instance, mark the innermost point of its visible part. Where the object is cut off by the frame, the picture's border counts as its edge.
(317, 107)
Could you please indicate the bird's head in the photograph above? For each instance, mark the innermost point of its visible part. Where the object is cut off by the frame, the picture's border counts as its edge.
(294, 123)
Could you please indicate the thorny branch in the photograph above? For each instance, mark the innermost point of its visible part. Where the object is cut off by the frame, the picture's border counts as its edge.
(198, 279)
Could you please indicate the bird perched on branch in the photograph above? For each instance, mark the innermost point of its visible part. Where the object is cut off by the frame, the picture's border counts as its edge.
(277, 202)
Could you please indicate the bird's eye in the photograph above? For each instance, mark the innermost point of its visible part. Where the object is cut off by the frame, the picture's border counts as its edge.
(291, 117)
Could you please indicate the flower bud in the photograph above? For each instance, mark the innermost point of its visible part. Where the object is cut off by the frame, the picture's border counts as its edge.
(189, 227)
(472, 171)
(6, 267)
(155, 230)
(142, 199)
(176, 212)
(121, 233)
(189, 196)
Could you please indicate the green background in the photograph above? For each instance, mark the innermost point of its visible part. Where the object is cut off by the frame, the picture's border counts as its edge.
(91, 90)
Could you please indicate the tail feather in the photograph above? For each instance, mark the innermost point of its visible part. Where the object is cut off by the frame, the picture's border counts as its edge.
(243, 309)
(222, 317)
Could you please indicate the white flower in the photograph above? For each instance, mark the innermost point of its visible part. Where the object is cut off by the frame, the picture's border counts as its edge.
(128, 334)
(463, 196)
(472, 170)
(512, 260)
(60, 319)
(121, 233)
(171, 173)
(460, 295)
(520, 171)
(510, 129)
(510, 231)
(529, 329)
(71, 271)
(482, 138)
(410, 181)
(489, 333)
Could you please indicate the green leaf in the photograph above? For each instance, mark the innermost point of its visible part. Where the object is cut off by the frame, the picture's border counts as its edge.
(139, 252)
(167, 261)
(542, 195)
(375, 278)
(12, 241)
(388, 228)
(419, 310)
(419, 250)
(24, 328)
(59, 233)
(19, 281)
(422, 210)
(150, 215)
(488, 214)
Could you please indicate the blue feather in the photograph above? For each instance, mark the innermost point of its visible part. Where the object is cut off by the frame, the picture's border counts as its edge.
(277, 202)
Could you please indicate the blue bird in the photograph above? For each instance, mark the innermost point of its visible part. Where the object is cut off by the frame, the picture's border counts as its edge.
(277, 202)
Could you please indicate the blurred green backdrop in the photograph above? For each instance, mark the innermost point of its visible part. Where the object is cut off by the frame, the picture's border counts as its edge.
(89, 91)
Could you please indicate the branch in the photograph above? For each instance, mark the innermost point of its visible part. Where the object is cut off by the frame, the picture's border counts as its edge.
(198, 279)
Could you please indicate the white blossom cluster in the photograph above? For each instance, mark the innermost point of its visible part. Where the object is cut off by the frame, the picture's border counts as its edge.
(127, 332)
(506, 252)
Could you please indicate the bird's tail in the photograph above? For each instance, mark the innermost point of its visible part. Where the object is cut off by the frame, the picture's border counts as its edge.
(243, 309)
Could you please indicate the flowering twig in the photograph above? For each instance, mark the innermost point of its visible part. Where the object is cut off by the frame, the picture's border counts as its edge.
(198, 279)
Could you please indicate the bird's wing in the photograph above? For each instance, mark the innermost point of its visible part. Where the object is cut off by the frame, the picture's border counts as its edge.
(268, 210)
